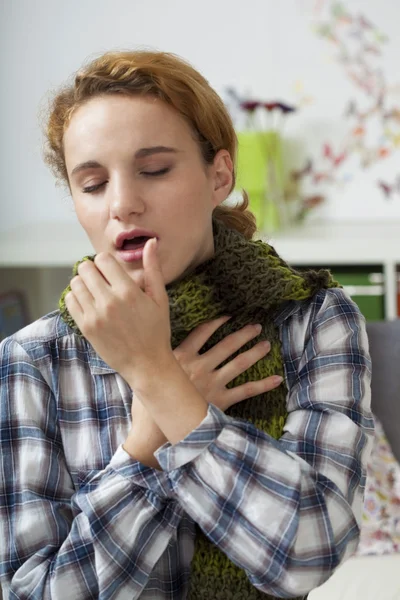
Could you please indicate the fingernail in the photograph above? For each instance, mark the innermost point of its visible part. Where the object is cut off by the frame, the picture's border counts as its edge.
(258, 327)
(278, 379)
(266, 346)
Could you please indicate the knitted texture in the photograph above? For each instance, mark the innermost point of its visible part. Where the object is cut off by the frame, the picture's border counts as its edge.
(249, 281)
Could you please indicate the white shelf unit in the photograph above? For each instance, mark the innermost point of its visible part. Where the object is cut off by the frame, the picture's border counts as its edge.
(346, 244)
(38, 258)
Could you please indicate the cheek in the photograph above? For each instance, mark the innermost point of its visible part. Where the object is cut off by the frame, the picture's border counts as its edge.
(188, 198)
(90, 218)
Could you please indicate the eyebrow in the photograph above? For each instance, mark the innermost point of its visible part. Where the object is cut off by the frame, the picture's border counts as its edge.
(142, 153)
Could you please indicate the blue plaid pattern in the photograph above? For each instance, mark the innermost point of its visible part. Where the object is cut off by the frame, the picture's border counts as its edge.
(79, 518)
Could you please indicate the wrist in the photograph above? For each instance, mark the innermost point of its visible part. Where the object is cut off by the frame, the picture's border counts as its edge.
(172, 400)
(151, 373)
(142, 449)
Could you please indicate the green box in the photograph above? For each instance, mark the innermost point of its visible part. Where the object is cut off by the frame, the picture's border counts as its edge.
(364, 284)
(367, 290)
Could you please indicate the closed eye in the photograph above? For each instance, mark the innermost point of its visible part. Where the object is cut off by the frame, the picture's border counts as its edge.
(156, 173)
(93, 188)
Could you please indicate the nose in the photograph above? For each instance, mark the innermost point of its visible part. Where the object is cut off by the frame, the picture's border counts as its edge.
(125, 200)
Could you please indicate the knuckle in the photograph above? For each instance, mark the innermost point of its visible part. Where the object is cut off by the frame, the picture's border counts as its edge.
(240, 338)
(232, 343)
(102, 258)
(75, 282)
(196, 373)
(251, 389)
(242, 361)
(178, 354)
(191, 376)
(182, 359)
(108, 310)
(127, 294)
(84, 266)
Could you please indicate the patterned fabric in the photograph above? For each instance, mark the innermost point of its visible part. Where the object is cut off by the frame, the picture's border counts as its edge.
(80, 518)
(380, 530)
(249, 281)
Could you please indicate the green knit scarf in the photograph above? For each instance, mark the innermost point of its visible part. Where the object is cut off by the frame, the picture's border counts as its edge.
(248, 280)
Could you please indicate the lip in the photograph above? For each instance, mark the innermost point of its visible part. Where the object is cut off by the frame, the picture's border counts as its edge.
(131, 255)
(127, 235)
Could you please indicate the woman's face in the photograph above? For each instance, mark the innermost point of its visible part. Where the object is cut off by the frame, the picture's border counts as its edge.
(133, 164)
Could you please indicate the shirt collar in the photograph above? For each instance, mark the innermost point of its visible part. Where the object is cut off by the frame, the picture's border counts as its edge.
(288, 309)
(96, 364)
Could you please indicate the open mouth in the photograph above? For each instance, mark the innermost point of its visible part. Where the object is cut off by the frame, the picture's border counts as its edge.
(135, 243)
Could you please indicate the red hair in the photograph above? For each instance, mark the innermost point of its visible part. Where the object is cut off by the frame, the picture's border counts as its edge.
(167, 77)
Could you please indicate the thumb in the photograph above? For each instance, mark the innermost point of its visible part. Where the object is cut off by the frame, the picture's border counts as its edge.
(154, 285)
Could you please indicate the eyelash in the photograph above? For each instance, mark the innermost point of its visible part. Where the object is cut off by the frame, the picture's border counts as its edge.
(93, 188)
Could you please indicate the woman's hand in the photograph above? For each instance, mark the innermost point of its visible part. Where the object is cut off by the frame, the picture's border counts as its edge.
(128, 327)
(146, 437)
(211, 381)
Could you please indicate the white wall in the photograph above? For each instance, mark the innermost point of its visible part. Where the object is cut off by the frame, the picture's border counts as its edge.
(259, 46)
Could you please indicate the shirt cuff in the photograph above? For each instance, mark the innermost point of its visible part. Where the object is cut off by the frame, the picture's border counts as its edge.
(175, 456)
(145, 477)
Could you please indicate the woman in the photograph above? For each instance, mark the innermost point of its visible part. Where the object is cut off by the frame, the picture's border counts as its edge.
(146, 432)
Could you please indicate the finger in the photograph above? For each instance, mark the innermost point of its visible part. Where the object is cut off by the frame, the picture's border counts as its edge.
(229, 345)
(82, 293)
(154, 285)
(111, 270)
(241, 363)
(199, 336)
(94, 280)
(251, 389)
(74, 307)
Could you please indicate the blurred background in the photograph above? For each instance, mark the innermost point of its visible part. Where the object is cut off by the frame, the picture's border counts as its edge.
(313, 87)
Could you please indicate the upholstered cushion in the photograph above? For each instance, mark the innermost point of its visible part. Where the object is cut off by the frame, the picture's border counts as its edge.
(380, 527)
(363, 578)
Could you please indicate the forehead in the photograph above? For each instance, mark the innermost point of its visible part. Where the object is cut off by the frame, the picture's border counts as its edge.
(125, 120)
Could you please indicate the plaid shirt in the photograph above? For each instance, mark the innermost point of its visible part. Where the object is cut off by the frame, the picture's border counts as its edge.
(80, 519)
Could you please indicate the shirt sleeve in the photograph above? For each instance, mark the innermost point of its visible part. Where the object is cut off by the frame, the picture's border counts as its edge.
(287, 511)
(101, 541)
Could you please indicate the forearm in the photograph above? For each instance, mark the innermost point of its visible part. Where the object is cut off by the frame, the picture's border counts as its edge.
(62, 540)
(284, 494)
(142, 442)
(171, 399)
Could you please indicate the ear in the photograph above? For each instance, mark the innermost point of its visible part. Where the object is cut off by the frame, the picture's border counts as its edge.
(222, 176)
